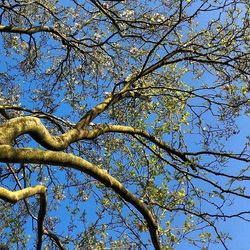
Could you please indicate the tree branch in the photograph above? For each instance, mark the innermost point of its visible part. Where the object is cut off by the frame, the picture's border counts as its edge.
(55, 238)
(9, 154)
(15, 196)
(34, 127)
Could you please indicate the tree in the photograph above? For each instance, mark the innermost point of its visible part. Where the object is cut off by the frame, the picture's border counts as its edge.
(117, 119)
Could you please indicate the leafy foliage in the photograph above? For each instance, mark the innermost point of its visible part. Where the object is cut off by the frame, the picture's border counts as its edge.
(178, 70)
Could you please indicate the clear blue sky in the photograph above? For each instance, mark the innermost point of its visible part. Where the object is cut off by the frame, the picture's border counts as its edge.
(237, 228)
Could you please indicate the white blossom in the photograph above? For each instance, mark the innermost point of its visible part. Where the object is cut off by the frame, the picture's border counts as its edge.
(128, 13)
(133, 50)
(106, 5)
(78, 26)
(97, 36)
(107, 94)
(158, 18)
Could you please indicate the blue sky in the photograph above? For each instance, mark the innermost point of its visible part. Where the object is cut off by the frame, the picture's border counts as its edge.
(239, 229)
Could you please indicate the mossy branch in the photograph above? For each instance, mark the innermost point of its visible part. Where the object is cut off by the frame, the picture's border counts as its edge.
(15, 196)
(10, 154)
(34, 127)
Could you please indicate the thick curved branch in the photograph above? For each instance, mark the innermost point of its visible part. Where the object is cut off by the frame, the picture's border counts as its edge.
(15, 196)
(34, 127)
(9, 154)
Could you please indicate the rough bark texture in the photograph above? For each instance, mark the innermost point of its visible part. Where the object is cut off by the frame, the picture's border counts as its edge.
(15, 196)
(33, 126)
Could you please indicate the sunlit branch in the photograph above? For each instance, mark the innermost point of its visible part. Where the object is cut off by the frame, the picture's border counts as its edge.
(39, 218)
(15, 196)
(9, 154)
(33, 126)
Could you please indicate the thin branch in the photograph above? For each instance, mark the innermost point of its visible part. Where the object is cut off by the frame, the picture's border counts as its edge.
(20, 186)
(55, 238)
